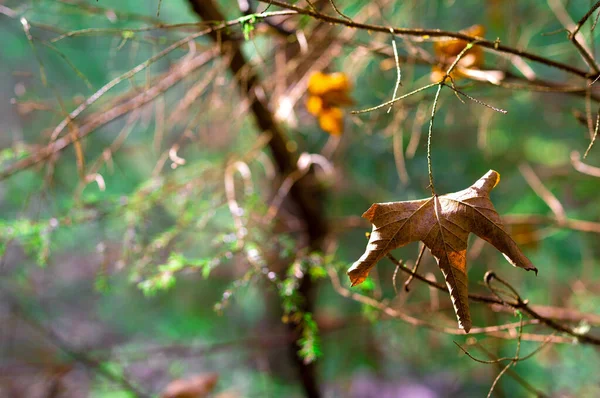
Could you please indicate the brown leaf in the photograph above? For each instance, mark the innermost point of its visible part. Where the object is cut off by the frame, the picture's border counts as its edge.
(196, 387)
(468, 66)
(443, 224)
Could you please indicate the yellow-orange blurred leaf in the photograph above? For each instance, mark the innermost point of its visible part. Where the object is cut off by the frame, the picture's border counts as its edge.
(452, 47)
(320, 83)
(331, 120)
(448, 50)
(327, 93)
(314, 105)
(437, 73)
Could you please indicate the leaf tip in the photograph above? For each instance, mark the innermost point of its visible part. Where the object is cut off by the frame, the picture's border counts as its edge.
(466, 326)
(497, 177)
(356, 276)
(488, 181)
(370, 214)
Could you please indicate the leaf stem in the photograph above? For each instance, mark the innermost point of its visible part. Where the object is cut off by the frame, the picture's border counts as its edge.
(429, 134)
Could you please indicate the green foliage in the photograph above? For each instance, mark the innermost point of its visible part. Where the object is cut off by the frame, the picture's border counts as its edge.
(164, 279)
(248, 25)
(169, 230)
(34, 237)
(310, 342)
(12, 154)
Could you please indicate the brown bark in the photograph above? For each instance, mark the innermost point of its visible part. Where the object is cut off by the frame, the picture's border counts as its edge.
(305, 193)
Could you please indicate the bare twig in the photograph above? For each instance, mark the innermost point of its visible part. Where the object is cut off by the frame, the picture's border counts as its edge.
(303, 192)
(582, 167)
(408, 318)
(561, 13)
(434, 33)
(397, 145)
(110, 113)
(524, 306)
(415, 268)
(513, 373)
(538, 187)
(398, 70)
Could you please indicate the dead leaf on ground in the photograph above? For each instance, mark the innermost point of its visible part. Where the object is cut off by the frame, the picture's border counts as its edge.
(443, 224)
(196, 387)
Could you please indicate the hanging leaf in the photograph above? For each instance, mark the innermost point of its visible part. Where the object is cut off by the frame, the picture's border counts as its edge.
(443, 224)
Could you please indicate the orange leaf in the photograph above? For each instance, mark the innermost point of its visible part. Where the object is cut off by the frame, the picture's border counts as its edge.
(452, 47)
(327, 93)
(448, 50)
(331, 120)
(320, 83)
(314, 105)
(443, 224)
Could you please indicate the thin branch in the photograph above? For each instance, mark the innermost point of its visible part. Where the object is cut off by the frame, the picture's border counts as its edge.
(561, 13)
(538, 187)
(341, 14)
(513, 373)
(524, 306)
(398, 70)
(585, 53)
(430, 134)
(114, 111)
(453, 88)
(516, 358)
(440, 84)
(132, 72)
(303, 192)
(432, 33)
(394, 100)
(397, 145)
(582, 167)
(415, 268)
(594, 135)
(498, 379)
(234, 208)
(335, 281)
(542, 311)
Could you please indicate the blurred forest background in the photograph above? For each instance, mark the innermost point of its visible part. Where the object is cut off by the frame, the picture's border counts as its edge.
(175, 221)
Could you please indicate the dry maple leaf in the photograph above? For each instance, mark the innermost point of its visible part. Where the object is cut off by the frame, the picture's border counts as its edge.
(443, 224)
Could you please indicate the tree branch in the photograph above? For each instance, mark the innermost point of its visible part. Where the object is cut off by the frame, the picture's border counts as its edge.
(306, 191)
(493, 45)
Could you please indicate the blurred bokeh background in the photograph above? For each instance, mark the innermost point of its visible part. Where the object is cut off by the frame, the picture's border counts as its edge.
(162, 246)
